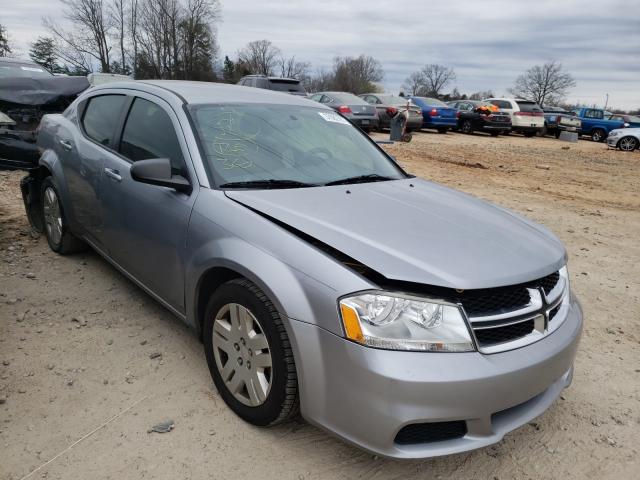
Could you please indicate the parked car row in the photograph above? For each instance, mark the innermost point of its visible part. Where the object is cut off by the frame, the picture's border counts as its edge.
(495, 116)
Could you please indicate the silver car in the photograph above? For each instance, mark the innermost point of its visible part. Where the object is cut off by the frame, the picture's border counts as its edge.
(353, 108)
(626, 139)
(405, 317)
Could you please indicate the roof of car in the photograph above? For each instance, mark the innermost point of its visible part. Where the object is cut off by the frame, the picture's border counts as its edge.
(209, 92)
(17, 61)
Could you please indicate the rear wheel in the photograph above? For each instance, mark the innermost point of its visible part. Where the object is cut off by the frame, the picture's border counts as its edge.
(628, 144)
(467, 127)
(56, 228)
(598, 135)
(249, 354)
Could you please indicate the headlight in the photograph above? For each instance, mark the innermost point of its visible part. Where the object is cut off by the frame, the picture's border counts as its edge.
(402, 322)
(614, 133)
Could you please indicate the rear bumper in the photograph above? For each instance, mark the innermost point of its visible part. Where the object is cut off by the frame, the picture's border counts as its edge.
(495, 126)
(517, 128)
(366, 395)
(366, 122)
(439, 122)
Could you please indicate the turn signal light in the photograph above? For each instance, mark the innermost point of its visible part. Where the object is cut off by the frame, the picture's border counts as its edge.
(352, 328)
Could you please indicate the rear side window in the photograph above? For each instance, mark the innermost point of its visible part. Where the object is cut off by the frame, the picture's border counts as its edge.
(528, 106)
(101, 117)
(149, 133)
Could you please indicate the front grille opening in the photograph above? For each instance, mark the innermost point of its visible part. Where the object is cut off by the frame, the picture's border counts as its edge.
(554, 312)
(418, 433)
(491, 301)
(548, 283)
(506, 333)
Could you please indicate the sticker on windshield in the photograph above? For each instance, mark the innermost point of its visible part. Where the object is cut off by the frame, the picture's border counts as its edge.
(333, 117)
(32, 69)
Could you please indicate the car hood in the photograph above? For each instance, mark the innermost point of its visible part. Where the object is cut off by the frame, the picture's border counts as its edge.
(416, 231)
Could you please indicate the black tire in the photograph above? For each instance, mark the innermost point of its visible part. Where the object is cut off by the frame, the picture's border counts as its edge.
(506, 132)
(281, 403)
(529, 134)
(557, 134)
(628, 144)
(467, 127)
(59, 238)
(544, 132)
(494, 134)
(443, 130)
(598, 135)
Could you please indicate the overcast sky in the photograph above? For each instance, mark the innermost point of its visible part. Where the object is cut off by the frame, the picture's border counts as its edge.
(488, 42)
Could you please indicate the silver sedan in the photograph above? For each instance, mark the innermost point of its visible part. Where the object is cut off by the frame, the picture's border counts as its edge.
(403, 316)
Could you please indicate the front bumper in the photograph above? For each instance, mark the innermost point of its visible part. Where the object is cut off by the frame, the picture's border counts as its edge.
(366, 395)
(613, 142)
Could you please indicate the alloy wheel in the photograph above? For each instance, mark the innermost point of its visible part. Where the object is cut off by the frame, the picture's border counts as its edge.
(52, 215)
(242, 354)
(627, 144)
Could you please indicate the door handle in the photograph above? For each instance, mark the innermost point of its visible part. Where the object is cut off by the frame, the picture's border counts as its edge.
(113, 174)
(66, 144)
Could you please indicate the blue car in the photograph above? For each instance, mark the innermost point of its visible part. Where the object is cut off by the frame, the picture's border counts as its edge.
(436, 115)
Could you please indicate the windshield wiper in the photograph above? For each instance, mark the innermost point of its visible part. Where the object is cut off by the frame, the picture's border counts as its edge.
(268, 183)
(371, 177)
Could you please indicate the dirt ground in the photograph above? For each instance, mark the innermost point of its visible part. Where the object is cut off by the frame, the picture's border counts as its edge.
(88, 362)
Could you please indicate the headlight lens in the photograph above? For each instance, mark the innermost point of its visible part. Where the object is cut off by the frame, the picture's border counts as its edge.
(614, 133)
(402, 322)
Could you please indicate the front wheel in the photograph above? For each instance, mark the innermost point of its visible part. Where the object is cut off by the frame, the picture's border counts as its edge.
(628, 144)
(467, 127)
(56, 228)
(249, 354)
(598, 135)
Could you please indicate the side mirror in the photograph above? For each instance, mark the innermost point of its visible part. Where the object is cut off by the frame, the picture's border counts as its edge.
(157, 171)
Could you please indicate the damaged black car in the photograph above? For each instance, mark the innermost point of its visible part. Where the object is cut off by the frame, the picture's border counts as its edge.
(27, 92)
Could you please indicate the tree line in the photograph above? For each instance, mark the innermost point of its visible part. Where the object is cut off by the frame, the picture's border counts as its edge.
(177, 39)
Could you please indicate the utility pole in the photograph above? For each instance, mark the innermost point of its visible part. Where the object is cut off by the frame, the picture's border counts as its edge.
(606, 101)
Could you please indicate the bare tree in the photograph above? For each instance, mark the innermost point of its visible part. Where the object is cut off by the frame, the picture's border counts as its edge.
(544, 84)
(117, 12)
(260, 57)
(320, 81)
(133, 33)
(436, 77)
(481, 95)
(414, 84)
(92, 28)
(356, 75)
(291, 68)
(199, 47)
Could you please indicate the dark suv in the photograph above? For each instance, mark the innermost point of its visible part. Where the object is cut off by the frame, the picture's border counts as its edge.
(288, 85)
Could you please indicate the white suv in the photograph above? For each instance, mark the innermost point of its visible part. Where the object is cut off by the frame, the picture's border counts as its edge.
(527, 117)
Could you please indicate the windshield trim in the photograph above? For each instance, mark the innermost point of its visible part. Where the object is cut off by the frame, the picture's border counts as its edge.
(215, 180)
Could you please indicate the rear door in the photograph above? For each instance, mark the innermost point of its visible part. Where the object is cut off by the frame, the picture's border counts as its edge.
(147, 224)
(83, 161)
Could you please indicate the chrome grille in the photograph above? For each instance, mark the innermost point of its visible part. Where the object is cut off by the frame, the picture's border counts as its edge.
(509, 317)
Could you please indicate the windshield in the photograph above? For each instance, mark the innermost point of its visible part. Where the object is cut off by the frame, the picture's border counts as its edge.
(249, 143)
(8, 70)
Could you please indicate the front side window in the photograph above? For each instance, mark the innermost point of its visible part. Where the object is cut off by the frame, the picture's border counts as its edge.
(149, 133)
(101, 117)
(249, 143)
